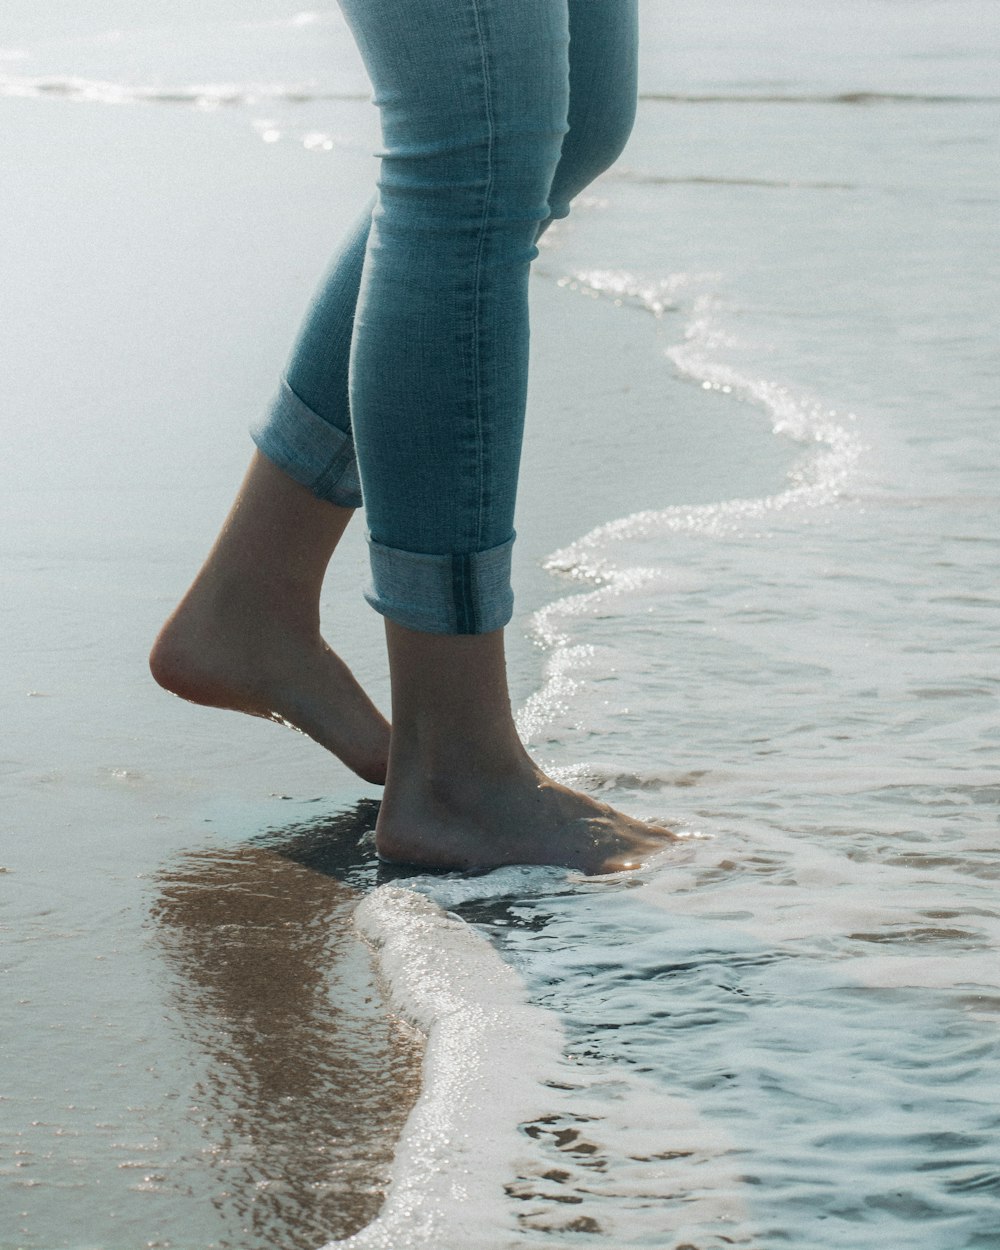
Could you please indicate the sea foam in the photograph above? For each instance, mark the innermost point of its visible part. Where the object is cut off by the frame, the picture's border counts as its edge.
(488, 1054)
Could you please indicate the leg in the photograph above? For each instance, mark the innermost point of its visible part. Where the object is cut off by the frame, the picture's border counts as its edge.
(603, 89)
(474, 105)
(307, 431)
(246, 635)
(473, 98)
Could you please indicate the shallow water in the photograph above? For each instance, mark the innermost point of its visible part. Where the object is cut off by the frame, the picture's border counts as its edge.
(807, 682)
(795, 1013)
(785, 1032)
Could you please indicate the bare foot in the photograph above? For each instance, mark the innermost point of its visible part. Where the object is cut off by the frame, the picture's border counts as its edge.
(229, 650)
(516, 816)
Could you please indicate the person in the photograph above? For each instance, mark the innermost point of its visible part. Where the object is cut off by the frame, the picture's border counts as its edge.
(406, 391)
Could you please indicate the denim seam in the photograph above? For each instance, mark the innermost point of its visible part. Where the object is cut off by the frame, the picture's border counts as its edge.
(330, 477)
(464, 593)
(477, 288)
(461, 582)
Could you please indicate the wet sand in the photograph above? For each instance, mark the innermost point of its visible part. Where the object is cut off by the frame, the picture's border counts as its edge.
(307, 1079)
(197, 1051)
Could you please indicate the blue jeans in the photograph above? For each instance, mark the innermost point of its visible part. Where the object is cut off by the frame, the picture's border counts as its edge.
(406, 387)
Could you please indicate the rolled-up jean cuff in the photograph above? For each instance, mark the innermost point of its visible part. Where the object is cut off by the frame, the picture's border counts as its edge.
(442, 594)
(315, 453)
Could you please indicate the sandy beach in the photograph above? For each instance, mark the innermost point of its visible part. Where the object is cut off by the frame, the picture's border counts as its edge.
(755, 597)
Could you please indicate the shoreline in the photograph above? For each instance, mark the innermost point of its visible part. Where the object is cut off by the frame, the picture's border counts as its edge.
(173, 325)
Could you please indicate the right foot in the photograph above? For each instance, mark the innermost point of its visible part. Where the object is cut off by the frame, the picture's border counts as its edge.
(515, 817)
(219, 652)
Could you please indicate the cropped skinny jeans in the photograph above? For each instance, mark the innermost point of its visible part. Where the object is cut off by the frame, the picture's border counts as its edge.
(407, 385)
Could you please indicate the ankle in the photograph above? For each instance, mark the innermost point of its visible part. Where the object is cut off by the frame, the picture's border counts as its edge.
(450, 707)
(233, 598)
(453, 770)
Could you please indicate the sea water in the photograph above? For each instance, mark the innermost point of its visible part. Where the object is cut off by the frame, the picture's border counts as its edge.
(784, 1031)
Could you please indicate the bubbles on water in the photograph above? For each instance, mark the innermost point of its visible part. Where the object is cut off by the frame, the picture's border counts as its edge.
(130, 775)
(654, 295)
(268, 130)
(317, 141)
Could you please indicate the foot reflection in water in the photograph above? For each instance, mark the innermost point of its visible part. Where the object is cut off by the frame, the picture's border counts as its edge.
(303, 1080)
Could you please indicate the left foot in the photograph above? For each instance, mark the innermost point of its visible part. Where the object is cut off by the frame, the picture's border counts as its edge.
(226, 650)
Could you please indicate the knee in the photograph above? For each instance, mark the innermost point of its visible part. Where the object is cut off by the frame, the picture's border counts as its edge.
(593, 147)
(589, 149)
(493, 180)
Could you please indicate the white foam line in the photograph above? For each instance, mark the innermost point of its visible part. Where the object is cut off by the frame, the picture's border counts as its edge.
(199, 95)
(818, 480)
(490, 1055)
(488, 1052)
(834, 450)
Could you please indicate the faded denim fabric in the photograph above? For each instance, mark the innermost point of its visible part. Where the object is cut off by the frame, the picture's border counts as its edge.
(407, 385)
